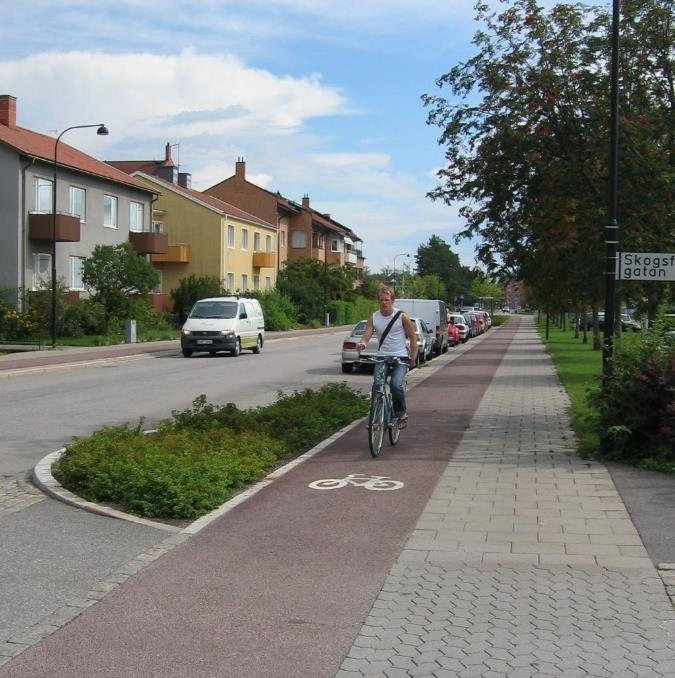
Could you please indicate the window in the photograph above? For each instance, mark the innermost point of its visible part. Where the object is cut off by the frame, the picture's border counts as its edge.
(244, 238)
(136, 217)
(299, 239)
(317, 240)
(110, 211)
(282, 239)
(244, 282)
(76, 273)
(77, 202)
(335, 245)
(256, 282)
(256, 242)
(268, 283)
(230, 282)
(268, 243)
(230, 235)
(43, 270)
(43, 195)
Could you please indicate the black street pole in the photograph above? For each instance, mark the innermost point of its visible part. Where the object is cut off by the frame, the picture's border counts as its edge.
(102, 131)
(612, 229)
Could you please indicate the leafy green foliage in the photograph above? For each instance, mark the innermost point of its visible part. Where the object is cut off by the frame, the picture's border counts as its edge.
(114, 272)
(191, 290)
(635, 406)
(173, 474)
(279, 310)
(437, 259)
(195, 462)
(310, 285)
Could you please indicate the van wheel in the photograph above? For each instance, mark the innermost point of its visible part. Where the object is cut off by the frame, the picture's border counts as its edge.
(187, 352)
(258, 345)
(237, 348)
(347, 368)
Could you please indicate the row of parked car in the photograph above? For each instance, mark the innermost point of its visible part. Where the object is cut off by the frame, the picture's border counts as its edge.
(461, 326)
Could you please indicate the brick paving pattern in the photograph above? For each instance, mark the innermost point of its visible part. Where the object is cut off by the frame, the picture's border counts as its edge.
(17, 493)
(525, 561)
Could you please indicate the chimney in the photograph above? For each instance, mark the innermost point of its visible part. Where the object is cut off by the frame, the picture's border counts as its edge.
(7, 110)
(305, 201)
(185, 179)
(240, 169)
(168, 160)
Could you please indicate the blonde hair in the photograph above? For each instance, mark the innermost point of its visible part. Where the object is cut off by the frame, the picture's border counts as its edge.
(385, 289)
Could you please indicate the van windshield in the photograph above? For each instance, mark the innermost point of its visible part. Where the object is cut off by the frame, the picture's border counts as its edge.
(214, 309)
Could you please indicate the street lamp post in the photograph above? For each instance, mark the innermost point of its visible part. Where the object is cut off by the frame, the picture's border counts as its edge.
(403, 254)
(101, 131)
(612, 228)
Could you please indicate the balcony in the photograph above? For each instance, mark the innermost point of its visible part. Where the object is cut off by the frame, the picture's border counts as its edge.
(263, 259)
(175, 254)
(149, 243)
(40, 227)
(351, 258)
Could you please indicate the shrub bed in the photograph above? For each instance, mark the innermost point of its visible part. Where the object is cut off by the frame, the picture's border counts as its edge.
(200, 458)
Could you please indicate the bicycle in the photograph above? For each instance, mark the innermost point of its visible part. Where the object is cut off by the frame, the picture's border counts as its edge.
(382, 415)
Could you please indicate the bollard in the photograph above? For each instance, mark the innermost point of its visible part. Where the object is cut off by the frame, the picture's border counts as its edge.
(130, 331)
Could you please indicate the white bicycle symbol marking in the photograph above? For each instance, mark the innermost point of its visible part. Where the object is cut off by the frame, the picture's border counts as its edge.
(358, 480)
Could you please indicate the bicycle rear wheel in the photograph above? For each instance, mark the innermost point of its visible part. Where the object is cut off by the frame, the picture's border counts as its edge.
(376, 424)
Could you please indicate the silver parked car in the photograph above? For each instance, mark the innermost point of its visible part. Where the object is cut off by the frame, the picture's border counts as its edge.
(425, 340)
(351, 356)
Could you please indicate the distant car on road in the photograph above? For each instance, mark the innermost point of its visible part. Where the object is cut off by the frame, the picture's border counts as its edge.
(628, 323)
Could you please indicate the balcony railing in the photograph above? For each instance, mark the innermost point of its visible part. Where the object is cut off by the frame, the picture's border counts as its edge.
(145, 242)
(351, 258)
(263, 259)
(41, 226)
(176, 254)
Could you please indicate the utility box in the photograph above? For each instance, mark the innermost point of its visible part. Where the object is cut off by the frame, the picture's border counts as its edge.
(129, 331)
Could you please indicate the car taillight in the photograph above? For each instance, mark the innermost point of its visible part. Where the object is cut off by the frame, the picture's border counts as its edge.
(348, 345)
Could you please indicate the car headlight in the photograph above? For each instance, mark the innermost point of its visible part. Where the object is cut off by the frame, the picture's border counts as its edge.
(186, 333)
(228, 333)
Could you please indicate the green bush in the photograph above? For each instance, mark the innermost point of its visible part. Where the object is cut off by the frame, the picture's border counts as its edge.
(635, 405)
(173, 474)
(84, 317)
(191, 290)
(195, 462)
(350, 312)
(279, 311)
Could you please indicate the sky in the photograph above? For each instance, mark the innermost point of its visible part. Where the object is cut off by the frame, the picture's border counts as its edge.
(320, 97)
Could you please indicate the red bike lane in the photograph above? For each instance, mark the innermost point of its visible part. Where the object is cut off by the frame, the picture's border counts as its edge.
(280, 585)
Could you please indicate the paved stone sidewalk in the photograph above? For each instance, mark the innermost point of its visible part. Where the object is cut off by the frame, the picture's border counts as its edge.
(525, 562)
(17, 493)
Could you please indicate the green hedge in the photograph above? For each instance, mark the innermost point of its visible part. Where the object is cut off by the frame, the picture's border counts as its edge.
(350, 312)
(196, 461)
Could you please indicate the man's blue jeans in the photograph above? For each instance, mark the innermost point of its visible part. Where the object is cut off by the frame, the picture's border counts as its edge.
(397, 371)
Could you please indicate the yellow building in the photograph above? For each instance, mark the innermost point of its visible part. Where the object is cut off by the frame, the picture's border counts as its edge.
(209, 237)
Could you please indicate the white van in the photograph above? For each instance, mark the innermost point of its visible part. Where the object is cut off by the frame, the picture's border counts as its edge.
(223, 324)
(434, 314)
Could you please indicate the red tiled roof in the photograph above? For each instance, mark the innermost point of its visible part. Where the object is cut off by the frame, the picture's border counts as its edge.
(41, 146)
(210, 200)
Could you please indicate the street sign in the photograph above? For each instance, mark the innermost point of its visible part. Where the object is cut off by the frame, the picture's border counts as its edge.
(656, 266)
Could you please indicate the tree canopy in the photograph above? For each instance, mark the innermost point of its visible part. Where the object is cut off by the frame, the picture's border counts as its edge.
(525, 129)
(113, 273)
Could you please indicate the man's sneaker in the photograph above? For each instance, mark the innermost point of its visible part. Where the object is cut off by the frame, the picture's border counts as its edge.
(403, 420)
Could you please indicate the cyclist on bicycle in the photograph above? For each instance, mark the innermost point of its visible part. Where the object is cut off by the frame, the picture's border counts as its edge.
(393, 346)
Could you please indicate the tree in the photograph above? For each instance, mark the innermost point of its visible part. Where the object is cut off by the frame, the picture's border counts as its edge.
(526, 137)
(112, 273)
(436, 258)
(192, 289)
(484, 289)
(310, 284)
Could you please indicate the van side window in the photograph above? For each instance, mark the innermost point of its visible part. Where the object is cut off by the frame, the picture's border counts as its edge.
(242, 310)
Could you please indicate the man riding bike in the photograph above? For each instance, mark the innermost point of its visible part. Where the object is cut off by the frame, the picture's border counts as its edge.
(392, 327)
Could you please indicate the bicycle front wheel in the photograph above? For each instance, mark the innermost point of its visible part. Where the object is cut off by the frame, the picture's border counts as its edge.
(394, 432)
(376, 424)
